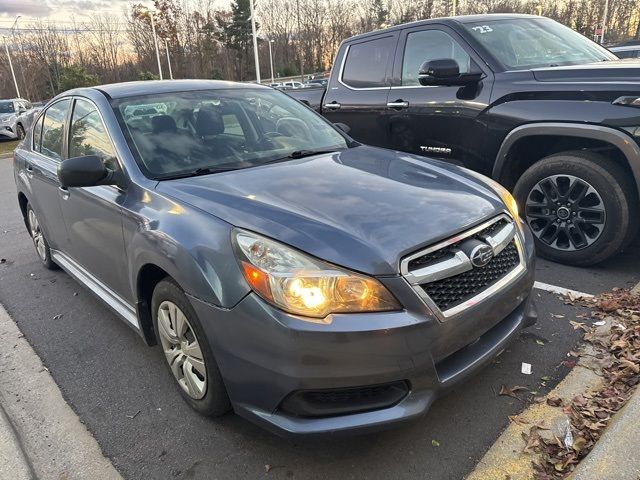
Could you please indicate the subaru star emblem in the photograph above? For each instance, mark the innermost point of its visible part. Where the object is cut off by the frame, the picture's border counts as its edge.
(481, 255)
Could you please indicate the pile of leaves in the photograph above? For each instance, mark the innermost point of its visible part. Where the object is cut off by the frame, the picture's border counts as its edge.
(616, 348)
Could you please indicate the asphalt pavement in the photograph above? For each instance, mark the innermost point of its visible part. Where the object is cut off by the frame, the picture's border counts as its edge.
(125, 396)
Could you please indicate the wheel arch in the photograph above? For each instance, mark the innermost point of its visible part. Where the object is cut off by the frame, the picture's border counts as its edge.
(537, 140)
(149, 275)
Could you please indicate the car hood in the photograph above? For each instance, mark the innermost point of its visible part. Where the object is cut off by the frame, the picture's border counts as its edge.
(611, 71)
(6, 116)
(363, 208)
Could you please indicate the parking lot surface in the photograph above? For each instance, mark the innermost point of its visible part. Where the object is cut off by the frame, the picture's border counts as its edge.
(124, 394)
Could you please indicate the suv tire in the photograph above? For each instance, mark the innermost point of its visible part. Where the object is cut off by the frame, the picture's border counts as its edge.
(581, 207)
(20, 132)
(187, 351)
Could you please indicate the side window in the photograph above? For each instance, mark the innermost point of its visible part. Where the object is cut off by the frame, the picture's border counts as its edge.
(88, 135)
(37, 134)
(366, 63)
(53, 129)
(427, 45)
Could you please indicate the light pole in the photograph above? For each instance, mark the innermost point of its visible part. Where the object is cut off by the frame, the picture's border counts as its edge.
(20, 58)
(271, 60)
(155, 40)
(300, 42)
(166, 47)
(604, 21)
(455, 4)
(255, 40)
(13, 74)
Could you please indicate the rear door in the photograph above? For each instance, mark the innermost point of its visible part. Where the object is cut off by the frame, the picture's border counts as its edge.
(444, 122)
(357, 95)
(41, 167)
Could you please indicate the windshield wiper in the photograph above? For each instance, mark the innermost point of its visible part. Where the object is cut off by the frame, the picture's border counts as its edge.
(197, 172)
(307, 153)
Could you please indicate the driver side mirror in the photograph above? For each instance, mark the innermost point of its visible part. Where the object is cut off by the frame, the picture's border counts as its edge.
(85, 171)
(446, 72)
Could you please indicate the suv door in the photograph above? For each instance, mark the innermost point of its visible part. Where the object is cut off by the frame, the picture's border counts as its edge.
(357, 95)
(444, 122)
(41, 171)
(93, 214)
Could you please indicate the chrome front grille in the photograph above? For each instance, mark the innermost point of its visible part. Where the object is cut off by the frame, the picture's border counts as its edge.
(466, 269)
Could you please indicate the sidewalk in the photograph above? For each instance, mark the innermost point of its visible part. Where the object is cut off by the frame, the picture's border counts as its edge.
(40, 435)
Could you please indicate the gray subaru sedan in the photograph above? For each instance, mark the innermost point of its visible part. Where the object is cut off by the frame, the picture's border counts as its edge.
(308, 282)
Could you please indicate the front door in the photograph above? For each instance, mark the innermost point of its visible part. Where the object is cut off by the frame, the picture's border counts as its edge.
(93, 214)
(443, 122)
(357, 95)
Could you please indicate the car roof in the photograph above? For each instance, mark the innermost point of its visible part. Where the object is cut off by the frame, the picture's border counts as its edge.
(462, 19)
(626, 48)
(149, 87)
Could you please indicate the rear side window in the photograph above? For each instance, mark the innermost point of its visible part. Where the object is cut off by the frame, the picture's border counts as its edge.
(627, 54)
(366, 63)
(37, 134)
(88, 135)
(430, 45)
(53, 129)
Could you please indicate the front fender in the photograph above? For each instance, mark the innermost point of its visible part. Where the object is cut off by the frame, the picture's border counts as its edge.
(629, 148)
(193, 247)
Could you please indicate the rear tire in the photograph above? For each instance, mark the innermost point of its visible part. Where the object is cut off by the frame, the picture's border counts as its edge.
(39, 240)
(581, 207)
(187, 351)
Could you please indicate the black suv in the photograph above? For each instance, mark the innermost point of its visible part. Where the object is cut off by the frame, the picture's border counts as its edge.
(538, 107)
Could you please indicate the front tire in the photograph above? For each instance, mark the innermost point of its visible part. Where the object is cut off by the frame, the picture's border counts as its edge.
(187, 351)
(20, 132)
(39, 240)
(580, 207)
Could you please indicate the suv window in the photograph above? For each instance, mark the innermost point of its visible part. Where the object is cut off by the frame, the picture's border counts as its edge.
(366, 63)
(427, 45)
(53, 129)
(88, 135)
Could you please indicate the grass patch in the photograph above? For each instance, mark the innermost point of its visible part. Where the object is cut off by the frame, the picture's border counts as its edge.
(7, 146)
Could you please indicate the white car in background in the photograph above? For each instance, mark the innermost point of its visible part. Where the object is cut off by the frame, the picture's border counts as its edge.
(14, 118)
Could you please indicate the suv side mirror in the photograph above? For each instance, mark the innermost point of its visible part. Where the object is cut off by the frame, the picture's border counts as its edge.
(446, 71)
(85, 171)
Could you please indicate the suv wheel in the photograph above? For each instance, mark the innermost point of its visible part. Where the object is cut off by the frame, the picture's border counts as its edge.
(20, 132)
(187, 351)
(580, 207)
(39, 240)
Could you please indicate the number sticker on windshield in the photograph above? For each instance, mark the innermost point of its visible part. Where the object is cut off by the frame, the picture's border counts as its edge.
(483, 29)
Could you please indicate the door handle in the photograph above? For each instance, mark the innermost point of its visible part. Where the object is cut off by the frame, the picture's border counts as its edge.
(332, 105)
(29, 170)
(64, 192)
(398, 104)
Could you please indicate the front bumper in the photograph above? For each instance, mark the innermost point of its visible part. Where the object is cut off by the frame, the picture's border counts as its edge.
(8, 132)
(266, 355)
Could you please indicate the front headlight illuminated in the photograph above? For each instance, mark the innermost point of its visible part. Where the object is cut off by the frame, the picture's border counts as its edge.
(302, 285)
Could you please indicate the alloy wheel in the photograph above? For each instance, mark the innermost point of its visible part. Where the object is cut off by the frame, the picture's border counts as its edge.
(182, 350)
(565, 212)
(37, 236)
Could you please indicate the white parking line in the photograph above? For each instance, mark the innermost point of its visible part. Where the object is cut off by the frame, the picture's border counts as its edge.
(561, 290)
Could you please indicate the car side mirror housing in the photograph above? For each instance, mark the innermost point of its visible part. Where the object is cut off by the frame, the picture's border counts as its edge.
(446, 72)
(85, 171)
(343, 126)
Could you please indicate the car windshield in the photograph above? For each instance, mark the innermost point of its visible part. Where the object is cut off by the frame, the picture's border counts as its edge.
(195, 132)
(6, 107)
(536, 42)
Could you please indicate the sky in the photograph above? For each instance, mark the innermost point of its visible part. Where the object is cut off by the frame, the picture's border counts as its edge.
(62, 10)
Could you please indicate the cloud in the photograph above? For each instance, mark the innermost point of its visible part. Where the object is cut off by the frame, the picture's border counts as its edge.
(30, 8)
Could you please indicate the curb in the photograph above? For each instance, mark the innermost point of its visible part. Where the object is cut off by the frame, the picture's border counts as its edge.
(612, 457)
(46, 433)
(14, 463)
